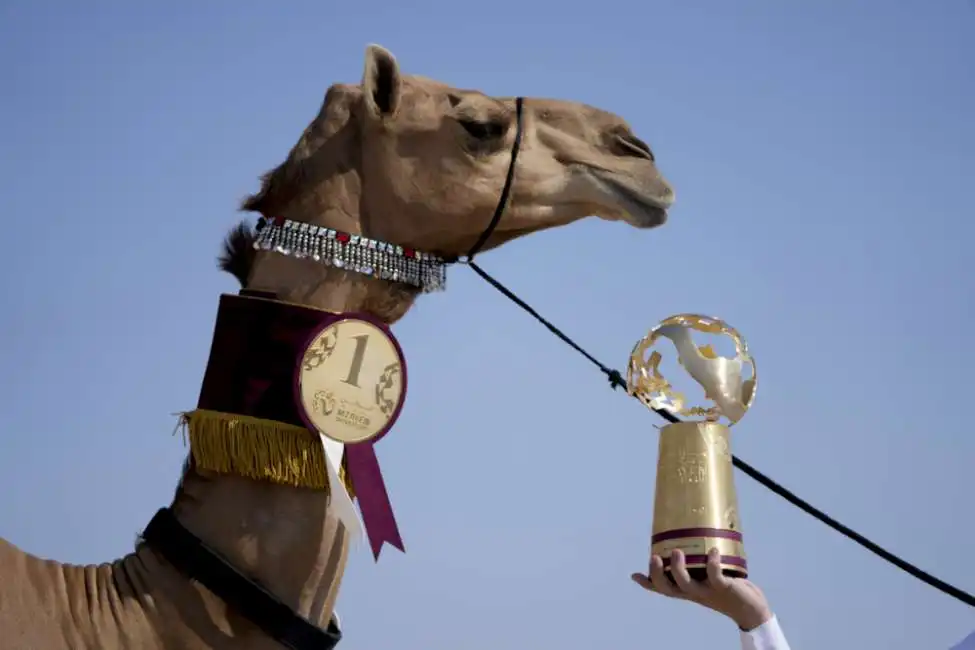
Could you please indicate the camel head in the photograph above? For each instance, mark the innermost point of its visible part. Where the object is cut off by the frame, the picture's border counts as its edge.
(421, 164)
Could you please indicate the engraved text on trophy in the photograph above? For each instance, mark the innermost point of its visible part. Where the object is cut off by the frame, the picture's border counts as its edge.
(687, 461)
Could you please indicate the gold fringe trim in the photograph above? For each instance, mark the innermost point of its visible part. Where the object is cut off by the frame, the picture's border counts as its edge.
(258, 449)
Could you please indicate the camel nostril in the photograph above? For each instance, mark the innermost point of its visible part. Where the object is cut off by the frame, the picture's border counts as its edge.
(631, 145)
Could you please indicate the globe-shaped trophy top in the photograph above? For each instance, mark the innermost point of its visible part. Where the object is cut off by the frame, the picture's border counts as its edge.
(728, 384)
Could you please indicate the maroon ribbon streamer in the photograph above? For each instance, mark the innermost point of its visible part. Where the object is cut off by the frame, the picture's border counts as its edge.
(370, 491)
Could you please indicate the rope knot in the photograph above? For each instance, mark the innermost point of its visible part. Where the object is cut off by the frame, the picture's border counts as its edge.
(615, 379)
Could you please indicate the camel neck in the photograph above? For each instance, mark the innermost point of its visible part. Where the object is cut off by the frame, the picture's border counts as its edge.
(138, 602)
(255, 515)
(280, 537)
(311, 284)
(142, 603)
(335, 203)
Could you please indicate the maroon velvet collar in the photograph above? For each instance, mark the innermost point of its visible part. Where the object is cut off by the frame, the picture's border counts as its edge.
(257, 341)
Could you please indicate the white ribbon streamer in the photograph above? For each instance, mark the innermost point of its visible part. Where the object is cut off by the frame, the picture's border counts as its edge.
(340, 500)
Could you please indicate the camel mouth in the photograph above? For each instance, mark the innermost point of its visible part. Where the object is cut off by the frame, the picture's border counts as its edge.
(642, 212)
(640, 208)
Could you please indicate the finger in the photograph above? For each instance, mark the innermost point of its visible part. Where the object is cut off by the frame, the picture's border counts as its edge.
(716, 578)
(661, 584)
(643, 581)
(678, 567)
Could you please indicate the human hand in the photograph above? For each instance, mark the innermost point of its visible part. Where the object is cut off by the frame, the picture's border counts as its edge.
(736, 598)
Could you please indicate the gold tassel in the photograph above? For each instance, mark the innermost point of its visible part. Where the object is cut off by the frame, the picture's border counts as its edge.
(258, 449)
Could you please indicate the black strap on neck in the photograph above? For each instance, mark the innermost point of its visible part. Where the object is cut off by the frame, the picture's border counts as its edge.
(194, 559)
(506, 190)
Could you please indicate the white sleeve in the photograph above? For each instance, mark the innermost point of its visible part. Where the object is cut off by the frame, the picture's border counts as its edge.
(767, 636)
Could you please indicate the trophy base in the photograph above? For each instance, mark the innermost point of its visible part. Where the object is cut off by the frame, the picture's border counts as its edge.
(700, 574)
(695, 548)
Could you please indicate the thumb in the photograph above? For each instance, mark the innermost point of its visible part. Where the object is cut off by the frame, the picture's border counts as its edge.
(643, 581)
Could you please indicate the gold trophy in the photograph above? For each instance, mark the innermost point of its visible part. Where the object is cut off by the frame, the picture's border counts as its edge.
(695, 507)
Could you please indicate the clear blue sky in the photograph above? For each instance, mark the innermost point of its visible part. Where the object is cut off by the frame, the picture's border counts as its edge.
(821, 151)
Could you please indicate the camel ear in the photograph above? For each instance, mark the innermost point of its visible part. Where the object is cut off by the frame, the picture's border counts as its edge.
(382, 83)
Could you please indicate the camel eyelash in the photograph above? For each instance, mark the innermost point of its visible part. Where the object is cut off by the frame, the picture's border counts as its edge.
(483, 130)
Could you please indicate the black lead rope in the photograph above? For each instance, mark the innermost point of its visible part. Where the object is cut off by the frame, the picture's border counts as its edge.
(616, 381)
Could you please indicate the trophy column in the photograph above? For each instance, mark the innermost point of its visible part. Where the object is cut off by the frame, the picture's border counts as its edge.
(695, 504)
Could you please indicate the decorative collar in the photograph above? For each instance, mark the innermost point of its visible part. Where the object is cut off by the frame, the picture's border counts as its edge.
(356, 253)
(250, 419)
(246, 420)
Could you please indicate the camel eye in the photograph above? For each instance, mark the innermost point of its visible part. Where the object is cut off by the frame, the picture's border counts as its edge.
(483, 130)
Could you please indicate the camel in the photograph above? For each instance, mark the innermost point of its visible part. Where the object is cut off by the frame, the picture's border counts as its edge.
(400, 159)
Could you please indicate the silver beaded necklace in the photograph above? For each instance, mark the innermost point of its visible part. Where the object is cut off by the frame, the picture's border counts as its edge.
(356, 253)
